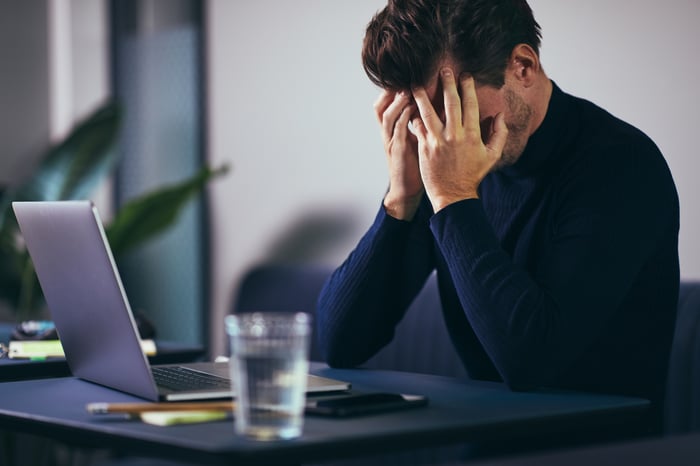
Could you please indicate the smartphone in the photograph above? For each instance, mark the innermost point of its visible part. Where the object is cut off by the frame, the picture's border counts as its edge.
(363, 403)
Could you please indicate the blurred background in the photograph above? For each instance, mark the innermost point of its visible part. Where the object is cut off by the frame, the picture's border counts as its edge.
(275, 89)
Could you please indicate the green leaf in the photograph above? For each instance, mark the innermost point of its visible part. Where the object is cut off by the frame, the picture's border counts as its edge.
(73, 168)
(146, 216)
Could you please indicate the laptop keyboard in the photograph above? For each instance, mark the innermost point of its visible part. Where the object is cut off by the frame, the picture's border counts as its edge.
(183, 379)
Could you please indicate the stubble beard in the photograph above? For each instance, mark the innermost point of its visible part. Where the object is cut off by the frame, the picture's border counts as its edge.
(518, 123)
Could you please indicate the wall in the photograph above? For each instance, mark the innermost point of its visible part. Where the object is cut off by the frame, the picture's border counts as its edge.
(54, 72)
(290, 108)
(24, 87)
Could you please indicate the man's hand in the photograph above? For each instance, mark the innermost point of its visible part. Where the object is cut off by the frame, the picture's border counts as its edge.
(394, 111)
(453, 158)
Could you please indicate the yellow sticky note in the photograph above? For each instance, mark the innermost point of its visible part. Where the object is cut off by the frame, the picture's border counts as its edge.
(169, 418)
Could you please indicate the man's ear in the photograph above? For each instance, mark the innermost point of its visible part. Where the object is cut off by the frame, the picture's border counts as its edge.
(524, 64)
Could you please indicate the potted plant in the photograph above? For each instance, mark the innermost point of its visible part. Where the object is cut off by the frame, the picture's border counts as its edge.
(72, 169)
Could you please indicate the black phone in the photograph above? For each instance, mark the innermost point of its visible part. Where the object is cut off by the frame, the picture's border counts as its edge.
(363, 403)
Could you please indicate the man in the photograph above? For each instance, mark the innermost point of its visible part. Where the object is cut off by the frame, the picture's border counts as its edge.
(552, 225)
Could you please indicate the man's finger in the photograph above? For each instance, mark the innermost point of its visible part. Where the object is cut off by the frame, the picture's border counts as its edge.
(392, 113)
(470, 105)
(429, 117)
(382, 102)
(401, 128)
(419, 129)
(498, 136)
(453, 109)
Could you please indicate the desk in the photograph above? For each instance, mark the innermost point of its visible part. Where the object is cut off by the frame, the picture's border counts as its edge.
(459, 412)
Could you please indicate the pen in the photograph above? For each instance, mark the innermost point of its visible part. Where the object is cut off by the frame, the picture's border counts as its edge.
(138, 408)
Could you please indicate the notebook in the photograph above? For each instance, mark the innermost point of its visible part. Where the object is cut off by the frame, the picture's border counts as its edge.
(87, 302)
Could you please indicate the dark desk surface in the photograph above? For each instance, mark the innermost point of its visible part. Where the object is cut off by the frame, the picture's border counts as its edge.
(23, 369)
(459, 412)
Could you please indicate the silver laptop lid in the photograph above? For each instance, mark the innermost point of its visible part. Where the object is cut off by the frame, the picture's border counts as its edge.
(84, 294)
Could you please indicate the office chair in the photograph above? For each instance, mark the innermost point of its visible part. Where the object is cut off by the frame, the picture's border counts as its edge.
(682, 410)
(421, 343)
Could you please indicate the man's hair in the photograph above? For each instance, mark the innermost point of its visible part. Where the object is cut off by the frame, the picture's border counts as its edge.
(405, 41)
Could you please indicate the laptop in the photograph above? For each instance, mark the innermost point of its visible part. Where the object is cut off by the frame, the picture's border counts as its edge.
(87, 302)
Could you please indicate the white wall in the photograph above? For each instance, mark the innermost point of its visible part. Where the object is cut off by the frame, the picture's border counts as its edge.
(54, 71)
(24, 87)
(291, 109)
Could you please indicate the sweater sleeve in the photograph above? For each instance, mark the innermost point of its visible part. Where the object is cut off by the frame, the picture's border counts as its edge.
(364, 299)
(534, 321)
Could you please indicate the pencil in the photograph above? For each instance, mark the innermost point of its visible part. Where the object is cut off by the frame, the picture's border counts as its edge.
(137, 408)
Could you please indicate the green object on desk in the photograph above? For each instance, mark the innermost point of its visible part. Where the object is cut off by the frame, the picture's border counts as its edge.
(35, 349)
(171, 418)
(38, 350)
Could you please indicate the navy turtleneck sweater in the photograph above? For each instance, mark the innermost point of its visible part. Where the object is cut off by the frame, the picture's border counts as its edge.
(564, 273)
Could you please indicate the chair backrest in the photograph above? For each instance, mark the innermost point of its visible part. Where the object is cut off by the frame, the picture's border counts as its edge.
(682, 410)
(285, 288)
(421, 343)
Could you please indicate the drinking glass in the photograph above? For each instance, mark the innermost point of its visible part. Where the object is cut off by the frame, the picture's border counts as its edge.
(269, 365)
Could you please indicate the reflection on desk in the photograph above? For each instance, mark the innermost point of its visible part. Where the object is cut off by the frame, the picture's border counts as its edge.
(459, 412)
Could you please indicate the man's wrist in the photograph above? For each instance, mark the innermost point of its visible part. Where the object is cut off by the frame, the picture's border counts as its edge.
(402, 207)
(441, 202)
